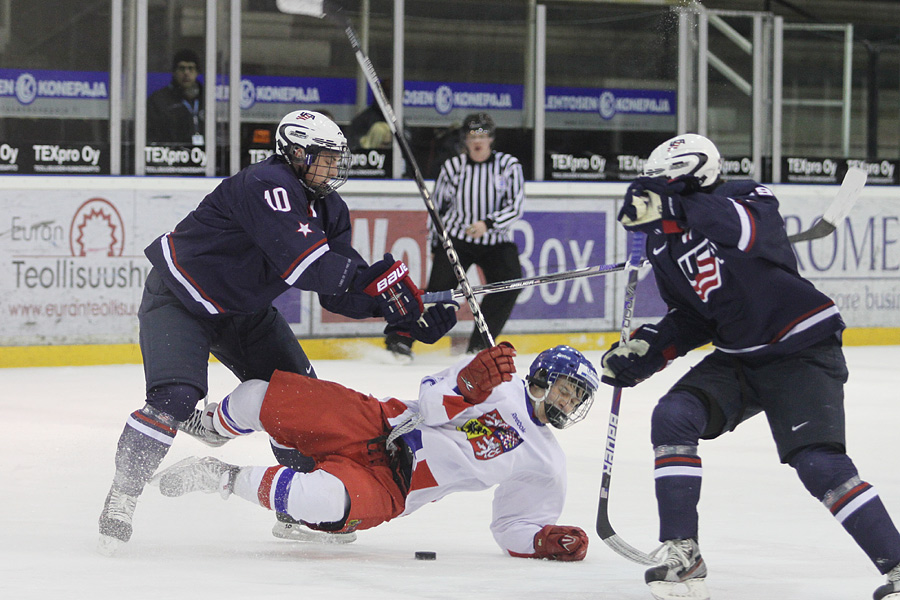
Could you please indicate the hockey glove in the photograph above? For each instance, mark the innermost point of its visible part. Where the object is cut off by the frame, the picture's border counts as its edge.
(628, 365)
(489, 368)
(397, 296)
(685, 185)
(560, 542)
(652, 203)
(434, 323)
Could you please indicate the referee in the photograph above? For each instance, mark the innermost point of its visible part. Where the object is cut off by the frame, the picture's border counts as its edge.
(479, 195)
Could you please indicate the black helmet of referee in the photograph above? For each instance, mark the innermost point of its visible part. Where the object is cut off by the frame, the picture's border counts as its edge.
(478, 123)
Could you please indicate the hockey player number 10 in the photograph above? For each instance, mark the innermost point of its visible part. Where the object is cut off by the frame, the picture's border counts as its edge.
(277, 199)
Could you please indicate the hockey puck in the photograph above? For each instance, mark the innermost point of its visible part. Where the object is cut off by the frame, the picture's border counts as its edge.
(426, 555)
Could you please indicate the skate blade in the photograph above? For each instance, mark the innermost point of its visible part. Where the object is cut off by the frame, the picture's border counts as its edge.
(109, 546)
(298, 533)
(695, 589)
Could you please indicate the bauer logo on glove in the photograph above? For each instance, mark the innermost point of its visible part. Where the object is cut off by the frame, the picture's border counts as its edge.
(399, 299)
(396, 274)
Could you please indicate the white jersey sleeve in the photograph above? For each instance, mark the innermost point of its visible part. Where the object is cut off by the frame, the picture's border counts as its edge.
(463, 447)
(522, 506)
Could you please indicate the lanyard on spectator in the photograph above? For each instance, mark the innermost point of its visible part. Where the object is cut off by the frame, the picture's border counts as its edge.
(197, 137)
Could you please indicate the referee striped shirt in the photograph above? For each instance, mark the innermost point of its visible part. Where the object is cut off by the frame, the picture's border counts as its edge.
(492, 191)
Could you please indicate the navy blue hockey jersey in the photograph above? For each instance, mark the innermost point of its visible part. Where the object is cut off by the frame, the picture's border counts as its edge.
(255, 235)
(730, 277)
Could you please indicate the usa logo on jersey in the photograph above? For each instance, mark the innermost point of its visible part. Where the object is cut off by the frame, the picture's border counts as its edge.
(701, 267)
(490, 435)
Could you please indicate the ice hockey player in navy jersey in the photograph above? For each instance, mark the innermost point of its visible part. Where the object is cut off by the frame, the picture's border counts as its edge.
(474, 426)
(727, 272)
(274, 225)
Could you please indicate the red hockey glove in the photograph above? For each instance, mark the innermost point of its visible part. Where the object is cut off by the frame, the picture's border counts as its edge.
(560, 542)
(489, 368)
(398, 297)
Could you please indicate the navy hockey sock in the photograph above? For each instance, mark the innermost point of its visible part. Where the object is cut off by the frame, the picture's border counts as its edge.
(293, 459)
(175, 399)
(831, 476)
(678, 472)
(144, 442)
(678, 421)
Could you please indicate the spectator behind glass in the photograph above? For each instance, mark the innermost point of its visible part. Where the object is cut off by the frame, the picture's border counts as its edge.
(175, 113)
(369, 130)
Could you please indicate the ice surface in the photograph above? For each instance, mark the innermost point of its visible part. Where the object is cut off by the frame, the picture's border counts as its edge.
(762, 535)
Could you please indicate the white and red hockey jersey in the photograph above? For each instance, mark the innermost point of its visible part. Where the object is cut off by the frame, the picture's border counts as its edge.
(457, 447)
(460, 447)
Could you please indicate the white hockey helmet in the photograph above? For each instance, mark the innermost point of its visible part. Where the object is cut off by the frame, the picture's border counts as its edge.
(312, 132)
(686, 154)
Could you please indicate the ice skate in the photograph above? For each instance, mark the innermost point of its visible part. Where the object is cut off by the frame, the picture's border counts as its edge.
(194, 474)
(891, 589)
(115, 521)
(287, 528)
(199, 426)
(682, 573)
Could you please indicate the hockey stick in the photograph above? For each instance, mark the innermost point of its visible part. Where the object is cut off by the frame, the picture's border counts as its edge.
(837, 211)
(604, 527)
(324, 8)
(839, 208)
(515, 284)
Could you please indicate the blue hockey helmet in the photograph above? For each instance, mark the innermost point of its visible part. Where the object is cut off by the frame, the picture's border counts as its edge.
(564, 362)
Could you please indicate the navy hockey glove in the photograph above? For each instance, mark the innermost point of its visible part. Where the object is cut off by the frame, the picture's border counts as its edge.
(653, 203)
(434, 323)
(638, 359)
(685, 185)
(560, 542)
(399, 299)
(490, 367)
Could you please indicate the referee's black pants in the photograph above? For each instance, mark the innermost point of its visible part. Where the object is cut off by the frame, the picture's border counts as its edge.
(499, 262)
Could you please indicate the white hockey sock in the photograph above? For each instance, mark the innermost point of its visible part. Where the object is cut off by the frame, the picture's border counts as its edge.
(238, 413)
(317, 497)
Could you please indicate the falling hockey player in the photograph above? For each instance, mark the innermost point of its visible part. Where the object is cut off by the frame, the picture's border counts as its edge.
(277, 224)
(725, 268)
(473, 426)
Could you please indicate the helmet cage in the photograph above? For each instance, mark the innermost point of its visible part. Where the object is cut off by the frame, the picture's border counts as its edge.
(342, 169)
(567, 363)
(556, 415)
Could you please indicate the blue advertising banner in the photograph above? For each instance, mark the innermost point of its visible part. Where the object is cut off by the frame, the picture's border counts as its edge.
(269, 89)
(550, 242)
(444, 97)
(27, 86)
(611, 102)
(439, 103)
(47, 93)
(610, 108)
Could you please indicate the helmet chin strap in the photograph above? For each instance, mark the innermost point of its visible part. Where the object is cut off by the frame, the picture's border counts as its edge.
(300, 165)
(554, 415)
